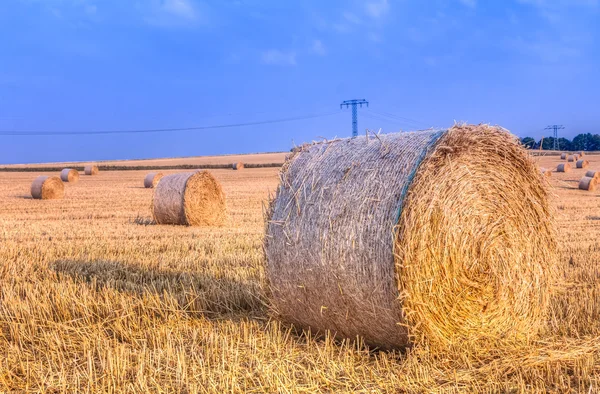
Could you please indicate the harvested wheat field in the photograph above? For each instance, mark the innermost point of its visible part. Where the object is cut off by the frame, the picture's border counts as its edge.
(95, 297)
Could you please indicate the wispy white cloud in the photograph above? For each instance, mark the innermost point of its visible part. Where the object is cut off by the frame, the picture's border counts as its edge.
(319, 48)
(171, 13)
(377, 9)
(279, 58)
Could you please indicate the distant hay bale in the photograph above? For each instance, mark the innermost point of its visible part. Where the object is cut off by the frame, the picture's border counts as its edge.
(571, 158)
(546, 172)
(593, 174)
(192, 198)
(587, 183)
(47, 188)
(582, 163)
(151, 180)
(581, 153)
(69, 175)
(563, 156)
(238, 166)
(406, 236)
(564, 167)
(91, 170)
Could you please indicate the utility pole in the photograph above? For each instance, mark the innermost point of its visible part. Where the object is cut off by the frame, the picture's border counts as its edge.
(354, 103)
(555, 127)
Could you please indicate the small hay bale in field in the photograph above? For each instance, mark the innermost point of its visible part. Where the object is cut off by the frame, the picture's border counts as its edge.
(152, 179)
(546, 172)
(582, 163)
(405, 236)
(581, 153)
(238, 166)
(564, 167)
(593, 174)
(571, 158)
(69, 175)
(191, 198)
(587, 183)
(47, 188)
(91, 170)
(563, 156)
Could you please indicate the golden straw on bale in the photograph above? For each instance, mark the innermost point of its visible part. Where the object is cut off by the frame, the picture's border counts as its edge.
(582, 163)
(192, 198)
(587, 183)
(47, 188)
(238, 166)
(91, 170)
(571, 158)
(593, 174)
(406, 237)
(152, 179)
(69, 175)
(563, 156)
(564, 167)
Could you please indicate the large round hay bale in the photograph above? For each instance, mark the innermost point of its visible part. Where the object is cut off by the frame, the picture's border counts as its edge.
(91, 170)
(571, 158)
(47, 188)
(587, 183)
(238, 166)
(582, 163)
(192, 198)
(593, 174)
(406, 236)
(151, 180)
(69, 175)
(563, 156)
(564, 167)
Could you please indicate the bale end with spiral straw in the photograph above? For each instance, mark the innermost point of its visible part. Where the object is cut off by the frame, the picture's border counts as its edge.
(152, 179)
(69, 175)
(47, 188)
(332, 263)
(193, 199)
(91, 170)
(587, 183)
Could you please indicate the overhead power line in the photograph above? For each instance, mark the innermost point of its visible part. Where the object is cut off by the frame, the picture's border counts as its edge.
(397, 117)
(143, 131)
(555, 128)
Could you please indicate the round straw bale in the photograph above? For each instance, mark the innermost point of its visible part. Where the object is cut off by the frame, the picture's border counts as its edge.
(546, 172)
(238, 166)
(587, 183)
(69, 175)
(405, 236)
(47, 188)
(192, 198)
(564, 167)
(593, 174)
(571, 158)
(151, 180)
(563, 156)
(581, 153)
(582, 163)
(91, 170)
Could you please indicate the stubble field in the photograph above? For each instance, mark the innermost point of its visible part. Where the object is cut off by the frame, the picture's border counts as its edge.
(96, 298)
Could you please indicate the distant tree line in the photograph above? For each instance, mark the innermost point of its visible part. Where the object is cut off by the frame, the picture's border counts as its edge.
(580, 142)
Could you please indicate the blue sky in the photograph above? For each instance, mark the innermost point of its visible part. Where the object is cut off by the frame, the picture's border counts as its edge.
(87, 65)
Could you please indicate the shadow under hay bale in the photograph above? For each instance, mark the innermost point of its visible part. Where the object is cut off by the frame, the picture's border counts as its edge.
(91, 170)
(69, 175)
(582, 164)
(192, 198)
(152, 179)
(587, 183)
(196, 293)
(564, 167)
(47, 188)
(377, 238)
